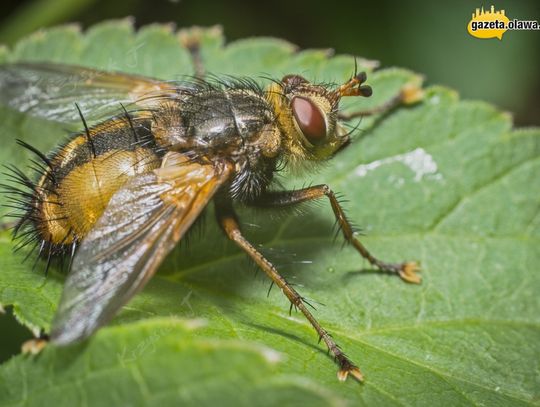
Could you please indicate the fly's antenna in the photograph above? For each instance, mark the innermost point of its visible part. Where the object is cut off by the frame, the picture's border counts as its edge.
(354, 87)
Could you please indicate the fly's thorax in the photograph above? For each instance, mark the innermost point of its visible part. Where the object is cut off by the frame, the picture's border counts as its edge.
(307, 118)
(221, 121)
(168, 126)
(268, 141)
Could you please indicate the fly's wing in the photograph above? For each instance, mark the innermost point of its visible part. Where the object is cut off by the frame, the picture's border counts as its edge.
(50, 91)
(141, 224)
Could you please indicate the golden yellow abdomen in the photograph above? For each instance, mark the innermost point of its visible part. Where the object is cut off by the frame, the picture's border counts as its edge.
(83, 194)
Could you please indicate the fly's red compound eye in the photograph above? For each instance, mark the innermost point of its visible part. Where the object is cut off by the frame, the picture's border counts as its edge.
(309, 118)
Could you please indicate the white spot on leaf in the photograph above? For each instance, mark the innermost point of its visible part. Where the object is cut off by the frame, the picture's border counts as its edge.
(418, 161)
(271, 355)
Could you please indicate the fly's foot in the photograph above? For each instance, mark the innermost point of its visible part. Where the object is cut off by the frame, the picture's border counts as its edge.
(407, 271)
(33, 346)
(346, 367)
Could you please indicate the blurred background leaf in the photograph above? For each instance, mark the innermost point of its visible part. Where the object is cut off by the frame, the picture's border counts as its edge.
(422, 35)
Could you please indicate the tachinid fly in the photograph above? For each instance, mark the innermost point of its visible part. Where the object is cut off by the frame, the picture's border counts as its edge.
(120, 194)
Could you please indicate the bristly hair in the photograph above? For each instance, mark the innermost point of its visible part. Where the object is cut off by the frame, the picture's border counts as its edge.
(24, 194)
(224, 82)
(192, 85)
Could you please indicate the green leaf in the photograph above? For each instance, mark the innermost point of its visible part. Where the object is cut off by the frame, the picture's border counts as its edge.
(447, 182)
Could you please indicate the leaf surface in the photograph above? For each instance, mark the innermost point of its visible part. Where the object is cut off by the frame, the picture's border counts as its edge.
(447, 182)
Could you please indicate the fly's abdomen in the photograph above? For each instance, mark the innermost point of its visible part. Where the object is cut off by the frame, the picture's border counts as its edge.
(71, 208)
(78, 180)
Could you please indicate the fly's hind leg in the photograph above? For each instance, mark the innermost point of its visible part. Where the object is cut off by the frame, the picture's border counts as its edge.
(227, 220)
(33, 346)
(406, 270)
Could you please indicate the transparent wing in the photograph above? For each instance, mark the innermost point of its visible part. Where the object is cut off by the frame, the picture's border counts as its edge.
(50, 91)
(142, 223)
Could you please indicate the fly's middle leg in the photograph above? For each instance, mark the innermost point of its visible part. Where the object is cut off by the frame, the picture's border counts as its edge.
(407, 271)
(227, 220)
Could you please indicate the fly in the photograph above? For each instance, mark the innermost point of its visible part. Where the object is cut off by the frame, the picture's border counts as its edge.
(119, 195)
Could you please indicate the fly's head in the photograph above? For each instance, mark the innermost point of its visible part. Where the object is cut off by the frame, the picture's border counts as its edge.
(307, 115)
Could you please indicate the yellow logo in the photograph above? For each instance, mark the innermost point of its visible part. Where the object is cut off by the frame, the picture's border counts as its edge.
(488, 24)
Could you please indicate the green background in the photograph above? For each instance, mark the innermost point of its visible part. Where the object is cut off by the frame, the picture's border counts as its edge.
(432, 40)
(426, 36)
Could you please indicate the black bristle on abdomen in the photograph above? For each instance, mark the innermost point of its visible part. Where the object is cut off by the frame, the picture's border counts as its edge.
(23, 196)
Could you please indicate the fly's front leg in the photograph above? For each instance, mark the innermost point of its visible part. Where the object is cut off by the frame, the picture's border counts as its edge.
(227, 220)
(406, 270)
